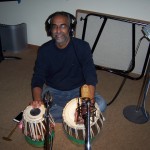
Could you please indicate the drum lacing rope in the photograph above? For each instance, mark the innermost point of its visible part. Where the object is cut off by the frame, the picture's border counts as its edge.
(32, 128)
(70, 133)
(77, 136)
(83, 133)
(51, 119)
(92, 133)
(39, 129)
(36, 132)
(25, 127)
(98, 128)
(65, 126)
(42, 127)
(102, 117)
(101, 121)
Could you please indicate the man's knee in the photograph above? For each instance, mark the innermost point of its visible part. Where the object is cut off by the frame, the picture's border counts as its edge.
(101, 102)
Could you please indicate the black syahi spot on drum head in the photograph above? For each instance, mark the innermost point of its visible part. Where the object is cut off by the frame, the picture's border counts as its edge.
(35, 111)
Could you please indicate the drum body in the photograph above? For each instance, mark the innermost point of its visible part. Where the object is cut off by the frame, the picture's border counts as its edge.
(76, 132)
(34, 126)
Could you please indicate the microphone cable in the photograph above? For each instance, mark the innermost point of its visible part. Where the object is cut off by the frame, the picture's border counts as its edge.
(125, 78)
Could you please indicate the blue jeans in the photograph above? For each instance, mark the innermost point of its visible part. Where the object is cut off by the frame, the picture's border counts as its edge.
(61, 98)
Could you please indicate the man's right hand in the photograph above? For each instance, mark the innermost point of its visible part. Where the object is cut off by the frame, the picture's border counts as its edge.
(36, 103)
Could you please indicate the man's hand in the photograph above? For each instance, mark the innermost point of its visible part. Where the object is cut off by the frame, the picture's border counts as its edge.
(36, 103)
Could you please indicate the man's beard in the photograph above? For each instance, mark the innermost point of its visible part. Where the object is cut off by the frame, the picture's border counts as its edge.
(61, 38)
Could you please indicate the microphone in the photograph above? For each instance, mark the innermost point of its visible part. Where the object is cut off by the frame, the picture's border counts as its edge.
(48, 99)
(86, 99)
(85, 92)
(82, 107)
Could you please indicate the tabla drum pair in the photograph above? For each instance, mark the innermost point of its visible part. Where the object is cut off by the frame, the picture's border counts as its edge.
(34, 125)
(76, 132)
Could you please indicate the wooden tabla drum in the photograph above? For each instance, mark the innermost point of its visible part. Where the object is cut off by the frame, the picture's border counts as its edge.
(76, 132)
(34, 125)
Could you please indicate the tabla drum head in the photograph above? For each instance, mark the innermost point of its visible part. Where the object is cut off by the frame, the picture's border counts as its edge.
(31, 114)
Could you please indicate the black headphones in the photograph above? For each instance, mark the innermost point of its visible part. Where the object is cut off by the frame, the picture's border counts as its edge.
(70, 17)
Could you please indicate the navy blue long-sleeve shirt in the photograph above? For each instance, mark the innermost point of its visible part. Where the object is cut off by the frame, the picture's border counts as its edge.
(64, 69)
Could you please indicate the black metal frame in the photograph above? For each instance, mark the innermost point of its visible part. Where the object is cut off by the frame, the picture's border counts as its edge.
(124, 73)
(10, 0)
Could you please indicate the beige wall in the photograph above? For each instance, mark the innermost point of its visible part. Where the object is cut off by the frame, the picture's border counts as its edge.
(34, 12)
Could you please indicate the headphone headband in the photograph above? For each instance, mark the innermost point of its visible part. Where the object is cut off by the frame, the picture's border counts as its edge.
(71, 18)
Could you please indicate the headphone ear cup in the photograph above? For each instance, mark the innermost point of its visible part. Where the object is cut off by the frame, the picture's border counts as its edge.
(73, 27)
(72, 24)
(48, 25)
(48, 29)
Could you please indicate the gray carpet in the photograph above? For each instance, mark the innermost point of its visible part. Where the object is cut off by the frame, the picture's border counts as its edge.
(118, 133)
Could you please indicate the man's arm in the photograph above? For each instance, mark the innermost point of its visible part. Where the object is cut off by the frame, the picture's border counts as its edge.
(37, 91)
(37, 99)
(92, 93)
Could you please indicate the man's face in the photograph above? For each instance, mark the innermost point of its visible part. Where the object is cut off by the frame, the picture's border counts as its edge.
(60, 31)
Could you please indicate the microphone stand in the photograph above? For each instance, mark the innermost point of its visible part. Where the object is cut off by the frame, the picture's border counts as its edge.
(138, 114)
(87, 125)
(48, 103)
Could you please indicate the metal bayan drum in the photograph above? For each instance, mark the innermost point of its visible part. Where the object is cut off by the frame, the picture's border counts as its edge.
(76, 132)
(34, 126)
